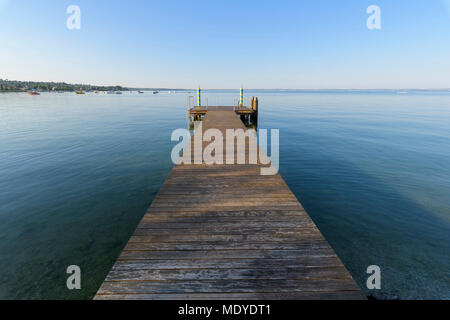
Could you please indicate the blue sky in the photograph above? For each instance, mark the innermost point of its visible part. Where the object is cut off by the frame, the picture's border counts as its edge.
(312, 44)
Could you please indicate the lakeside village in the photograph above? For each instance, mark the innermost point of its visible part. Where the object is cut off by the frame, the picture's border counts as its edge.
(26, 86)
(35, 88)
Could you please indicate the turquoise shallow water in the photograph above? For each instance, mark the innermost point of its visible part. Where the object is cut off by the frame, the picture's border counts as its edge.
(78, 172)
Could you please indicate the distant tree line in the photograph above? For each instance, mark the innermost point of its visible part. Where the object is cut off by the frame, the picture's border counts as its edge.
(20, 86)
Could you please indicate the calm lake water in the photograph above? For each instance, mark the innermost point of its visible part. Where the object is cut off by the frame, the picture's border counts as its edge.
(78, 172)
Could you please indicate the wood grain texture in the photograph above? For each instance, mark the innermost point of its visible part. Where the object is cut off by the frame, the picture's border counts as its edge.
(224, 231)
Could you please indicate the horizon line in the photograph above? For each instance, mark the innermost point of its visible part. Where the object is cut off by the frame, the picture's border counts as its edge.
(236, 88)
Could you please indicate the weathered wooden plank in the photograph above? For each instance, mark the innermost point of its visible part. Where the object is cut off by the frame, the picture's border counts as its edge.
(302, 244)
(152, 264)
(229, 212)
(225, 254)
(259, 237)
(202, 219)
(217, 203)
(237, 196)
(225, 285)
(305, 295)
(243, 230)
(223, 207)
(231, 274)
(215, 225)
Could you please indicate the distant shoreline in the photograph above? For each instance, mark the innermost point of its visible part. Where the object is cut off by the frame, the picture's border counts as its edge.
(24, 86)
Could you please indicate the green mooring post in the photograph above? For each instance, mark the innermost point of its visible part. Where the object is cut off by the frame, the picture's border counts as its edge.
(241, 99)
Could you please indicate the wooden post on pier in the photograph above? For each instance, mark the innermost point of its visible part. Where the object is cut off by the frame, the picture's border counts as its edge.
(254, 108)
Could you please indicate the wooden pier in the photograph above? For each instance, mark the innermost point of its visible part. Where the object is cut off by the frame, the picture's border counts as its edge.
(227, 232)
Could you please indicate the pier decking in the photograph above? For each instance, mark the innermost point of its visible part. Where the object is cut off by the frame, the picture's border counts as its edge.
(227, 232)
